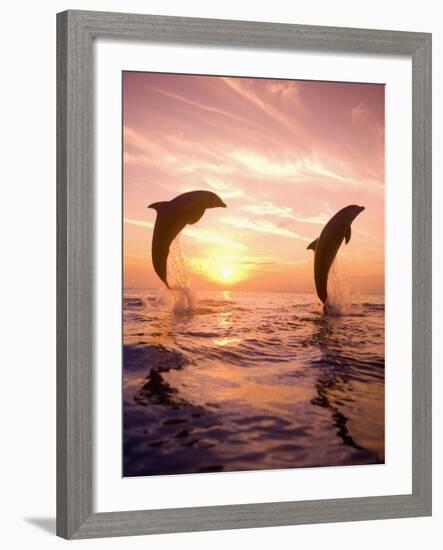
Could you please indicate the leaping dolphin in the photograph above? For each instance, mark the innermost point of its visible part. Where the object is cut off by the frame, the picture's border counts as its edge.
(172, 216)
(326, 246)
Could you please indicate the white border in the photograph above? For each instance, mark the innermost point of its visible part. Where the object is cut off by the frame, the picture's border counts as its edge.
(111, 491)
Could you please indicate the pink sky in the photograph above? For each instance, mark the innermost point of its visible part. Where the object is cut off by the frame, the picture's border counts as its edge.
(284, 156)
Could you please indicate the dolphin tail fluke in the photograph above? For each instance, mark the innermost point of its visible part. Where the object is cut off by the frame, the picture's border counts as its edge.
(160, 253)
(348, 235)
(312, 246)
(162, 238)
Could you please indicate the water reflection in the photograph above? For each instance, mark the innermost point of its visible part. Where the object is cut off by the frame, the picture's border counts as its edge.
(335, 386)
(250, 382)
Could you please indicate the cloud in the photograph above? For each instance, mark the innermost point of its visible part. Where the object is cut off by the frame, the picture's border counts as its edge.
(264, 226)
(175, 156)
(267, 208)
(358, 112)
(211, 237)
(246, 90)
(202, 106)
(259, 262)
(300, 169)
(226, 190)
(202, 235)
(139, 223)
(137, 140)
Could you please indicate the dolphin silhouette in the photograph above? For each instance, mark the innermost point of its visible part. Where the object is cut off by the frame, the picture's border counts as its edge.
(326, 246)
(172, 216)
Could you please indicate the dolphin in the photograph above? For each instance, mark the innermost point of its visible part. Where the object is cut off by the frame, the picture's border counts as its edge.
(172, 216)
(326, 246)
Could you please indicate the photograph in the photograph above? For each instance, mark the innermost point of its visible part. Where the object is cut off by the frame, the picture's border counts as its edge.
(253, 231)
(222, 323)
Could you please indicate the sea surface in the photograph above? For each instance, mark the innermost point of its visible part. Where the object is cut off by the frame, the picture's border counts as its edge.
(247, 381)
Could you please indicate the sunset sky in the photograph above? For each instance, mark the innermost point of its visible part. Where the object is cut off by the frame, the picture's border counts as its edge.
(283, 155)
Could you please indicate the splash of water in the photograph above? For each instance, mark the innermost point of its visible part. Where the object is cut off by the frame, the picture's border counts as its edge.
(179, 269)
(342, 298)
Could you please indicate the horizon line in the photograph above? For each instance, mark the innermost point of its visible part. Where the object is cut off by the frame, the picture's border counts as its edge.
(251, 291)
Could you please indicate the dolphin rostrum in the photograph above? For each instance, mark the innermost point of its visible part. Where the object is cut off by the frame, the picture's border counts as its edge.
(326, 246)
(172, 216)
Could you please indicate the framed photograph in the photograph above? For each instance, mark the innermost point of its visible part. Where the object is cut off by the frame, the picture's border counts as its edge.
(244, 274)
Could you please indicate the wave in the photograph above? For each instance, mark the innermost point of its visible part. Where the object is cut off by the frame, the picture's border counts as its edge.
(133, 303)
(201, 334)
(373, 307)
(220, 303)
(143, 302)
(150, 357)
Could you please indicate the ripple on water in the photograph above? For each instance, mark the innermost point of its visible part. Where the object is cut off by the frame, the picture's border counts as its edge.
(250, 381)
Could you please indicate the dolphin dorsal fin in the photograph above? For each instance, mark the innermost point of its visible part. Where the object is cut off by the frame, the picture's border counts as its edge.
(313, 245)
(158, 205)
(348, 235)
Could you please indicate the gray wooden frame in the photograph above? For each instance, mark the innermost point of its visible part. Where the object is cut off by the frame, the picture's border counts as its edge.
(76, 31)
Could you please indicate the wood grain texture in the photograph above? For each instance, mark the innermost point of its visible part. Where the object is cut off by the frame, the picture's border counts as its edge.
(76, 31)
(422, 272)
(193, 30)
(62, 364)
(75, 262)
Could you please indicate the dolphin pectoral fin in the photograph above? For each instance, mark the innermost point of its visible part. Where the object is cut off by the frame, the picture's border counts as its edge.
(313, 245)
(348, 235)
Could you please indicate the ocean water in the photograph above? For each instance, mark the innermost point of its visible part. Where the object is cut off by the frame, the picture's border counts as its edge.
(238, 381)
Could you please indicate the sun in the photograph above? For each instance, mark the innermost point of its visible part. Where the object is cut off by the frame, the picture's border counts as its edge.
(226, 272)
(223, 268)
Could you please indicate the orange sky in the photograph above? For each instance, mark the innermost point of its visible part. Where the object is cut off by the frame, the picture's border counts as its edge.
(284, 156)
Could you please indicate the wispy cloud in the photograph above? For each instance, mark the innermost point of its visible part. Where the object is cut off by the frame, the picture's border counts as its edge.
(300, 169)
(211, 237)
(264, 226)
(358, 112)
(247, 92)
(223, 187)
(139, 223)
(286, 212)
(202, 106)
(174, 155)
(199, 234)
